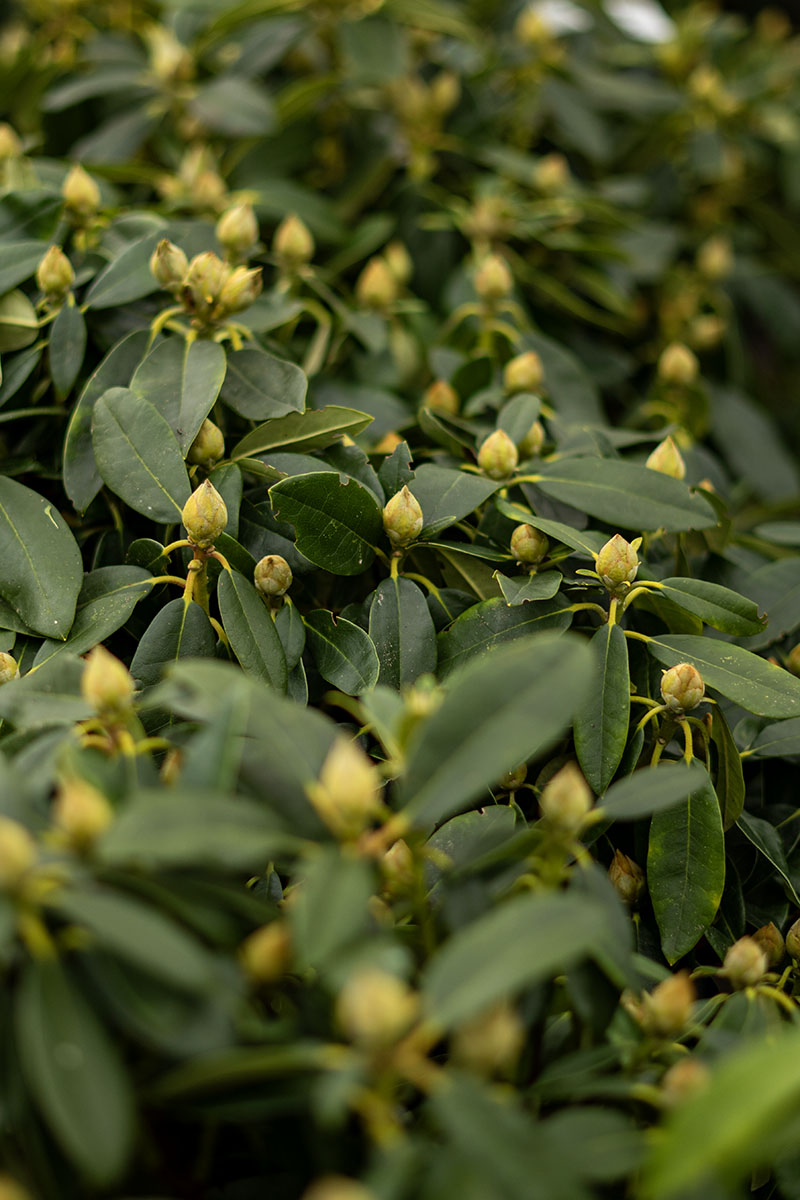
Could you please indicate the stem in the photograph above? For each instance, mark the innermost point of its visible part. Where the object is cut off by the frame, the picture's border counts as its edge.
(688, 753)
(640, 589)
(220, 559)
(176, 546)
(641, 637)
(612, 611)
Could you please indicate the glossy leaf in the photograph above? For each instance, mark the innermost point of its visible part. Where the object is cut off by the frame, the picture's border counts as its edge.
(586, 541)
(601, 726)
(251, 630)
(521, 588)
(446, 496)
(402, 630)
(715, 605)
(127, 278)
(743, 677)
(779, 740)
(181, 380)
(177, 631)
(20, 260)
(729, 783)
(105, 602)
(492, 623)
(337, 521)
(259, 386)
(767, 840)
(67, 347)
(653, 790)
(302, 431)
(344, 654)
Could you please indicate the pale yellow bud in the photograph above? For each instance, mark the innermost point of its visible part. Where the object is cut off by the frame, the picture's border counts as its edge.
(524, 373)
(272, 575)
(677, 364)
(793, 660)
(533, 441)
(11, 1190)
(617, 563)
(770, 939)
(237, 230)
(293, 244)
(397, 866)
(442, 397)
(9, 669)
(169, 265)
(512, 780)
(627, 878)
(685, 1078)
(376, 286)
(498, 456)
(204, 516)
(208, 190)
(10, 145)
(241, 289)
(55, 275)
(551, 174)
(374, 1008)
(707, 330)
(81, 812)
(80, 193)
(528, 545)
(106, 684)
(667, 459)
(566, 799)
(169, 58)
(531, 29)
(445, 92)
(490, 1042)
(18, 853)
(682, 688)
(347, 795)
(402, 518)
(745, 964)
(793, 941)
(398, 260)
(208, 447)
(715, 258)
(492, 280)
(666, 1010)
(337, 1187)
(205, 278)
(266, 954)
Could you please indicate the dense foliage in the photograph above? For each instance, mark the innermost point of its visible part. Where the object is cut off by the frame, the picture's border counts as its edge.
(399, 561)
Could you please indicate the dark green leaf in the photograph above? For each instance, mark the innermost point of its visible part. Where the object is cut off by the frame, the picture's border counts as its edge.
(138, 457)
(729, 784)
(521, 588)
(652, 790)
(179, 630)
(302, 431)
(46, 697)
(259, 386)
(336, 520)
(67, 346)
(493, 622)
(344, 653)
(20, 260)
(601, 726)
(767, 840)
(127, 278)
(251, 630)
(743, 677)
(778, 740)
(235, 107)
(105, 602)
(181, 380)
(331, 907)
(715, 605)
(401, 626)
(446, 496)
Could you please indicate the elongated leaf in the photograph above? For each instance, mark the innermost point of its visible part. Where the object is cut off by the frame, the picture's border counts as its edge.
(743, 677)
(19, 324)
(251, 630)
(74, 1072)
(778, 740)
(686, 870)
(42, 571)
(292, 633)
(402, 629)
(587, 541)
(714, 605)
(178, 631)
(492, 623)
(520, 943)
(729, 784)
(601, 726)
(20, 260)
(519, 589)
(106, 601)
(652, 790)
(776, 588)
(336, 520)
(137, 455)
(497, 713)
(331, 908)
(625, 494)
(127, 278)
(182, 380)
(302, 431)
(446, 496)
(767, 841)
(259, 385)
(48, 697)
(344, 653)
(67, 346)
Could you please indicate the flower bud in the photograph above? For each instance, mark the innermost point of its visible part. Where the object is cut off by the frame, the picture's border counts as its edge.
(442, 397)
(80, 193)
(55, 275)
(533, 441)
(266, 954)
(627, 878)
(241, 289)
(106, 684)
(293, 244)
(667, 460)
(682, 688)
(397, 866)
(770, 939)
(523, 373)
(10, 145)
(678, 365)
(204, 280)
(566, 799)
(9, 668)
(715, 258)
(512, 780)
(793, 941)
(793, 660)
(208, 447)
(617, 563)
(81, 812)
(208, 190)
(237, 230)
(11, 1190)
(337, 1187)
(498, 455)
(402, 518)
(204, 516)
(667, 1010)
(398, 260)
(272, 575)
(18, 853)
(551, 174)
(376, 286)
(347, 795)
(169, 265)
(492, 280)
(528, 545)
(745, 964)
(375, 1008)
(445, 92)
(490, 1042)
(531, 29)
(684, 1078)
(707, 330)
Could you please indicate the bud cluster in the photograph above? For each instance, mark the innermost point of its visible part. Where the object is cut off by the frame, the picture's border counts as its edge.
(209, 289)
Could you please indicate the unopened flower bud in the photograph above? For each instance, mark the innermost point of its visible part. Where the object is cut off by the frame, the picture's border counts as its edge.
(566, 799)
(793, 941)
(402, 518)
(204, 516)
(678, 365)
(397, 866)
(492, 280)
(398, 260)
(445, 92)
(490, 1042)
(205, 278)
(18, 853)
(266, 954)
(770, 939)
(376, 286)
(208, 447)
(55, 275)
(682, 688)
(10, 145)
(375, 1008)
(627, 878)
(347, 795)
(442, 397)
(707, 330)
(337, 1187)
(715, 258)
(9, 668)
(531, 29)
(745, 964)
(617, 563)
(533, 441)
(793, 660)
(208, 190)
(237, 230)
(272, 575)
(551, 174)
(81, 812)
(241, 289)
(169, 265)
(293, 244)
(684, 1078)
(667, 460)
(523, 373)
(514, 779)
(80, 193)
(667, 1009)
(498, 456)
(528, 545)
(106, 684)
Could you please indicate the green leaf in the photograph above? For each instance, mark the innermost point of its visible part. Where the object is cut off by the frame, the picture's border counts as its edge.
(42, 570)
(181, 380)
(292, 633)
(259, 385)
(521, 588)
(524, 941)
(20, 260)
(601, 726)
(652, 790)
(331, 907)
(587, 541)
(337, 521)
(344, 653)
(402, 629)
(686, 869)
(625, 494)
(715, 605)
(138, 457)
(729, 784)
(251, 630)
(127, 278)
(179, 630)
(67, 347)
(497, 712)
(50, 696)
(446, 496)
(235, 107)
(767, 840)
(775, 588)
(302, 431)
(105, 602)
(752, 682)
(19, 325)
(494, 622)
(75, 1072)
(17, 369)
(778, 740)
